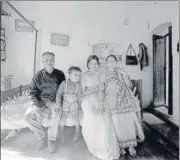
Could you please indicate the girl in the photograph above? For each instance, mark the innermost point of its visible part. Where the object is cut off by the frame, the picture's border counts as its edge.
(97, 128)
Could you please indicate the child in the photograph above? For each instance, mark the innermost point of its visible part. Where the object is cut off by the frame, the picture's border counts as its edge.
(68, 98)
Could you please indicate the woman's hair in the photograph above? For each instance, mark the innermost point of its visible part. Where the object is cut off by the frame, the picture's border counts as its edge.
(111, 56)
(74, 68)
(90, 58)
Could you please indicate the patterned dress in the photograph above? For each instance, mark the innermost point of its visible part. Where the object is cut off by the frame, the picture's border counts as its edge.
(123, 106)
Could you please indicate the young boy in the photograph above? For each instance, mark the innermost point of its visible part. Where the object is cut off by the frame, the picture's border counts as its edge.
(68, 98)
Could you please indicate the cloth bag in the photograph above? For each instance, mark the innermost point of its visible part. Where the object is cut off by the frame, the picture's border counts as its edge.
(131, 59)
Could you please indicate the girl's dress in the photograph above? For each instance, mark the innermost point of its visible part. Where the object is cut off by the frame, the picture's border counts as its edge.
(97, 129)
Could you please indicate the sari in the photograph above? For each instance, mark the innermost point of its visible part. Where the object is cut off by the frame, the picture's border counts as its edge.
(124, 108)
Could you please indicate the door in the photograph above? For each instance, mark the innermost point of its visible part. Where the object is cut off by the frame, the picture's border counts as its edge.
(162, 71)
(159, 69)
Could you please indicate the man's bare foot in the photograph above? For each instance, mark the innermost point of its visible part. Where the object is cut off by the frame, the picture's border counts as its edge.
(10, 134)
(41, 144)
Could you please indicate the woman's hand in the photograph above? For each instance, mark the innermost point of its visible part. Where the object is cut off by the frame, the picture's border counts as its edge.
(57, 109)
(89, 91)
(100, 109)
(141, 138)
(39, 112)
(50, 104)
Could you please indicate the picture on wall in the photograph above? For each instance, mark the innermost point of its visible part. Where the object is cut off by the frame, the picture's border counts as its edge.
(22, 26)
(3, 44)
(102, 50)
(59, 39)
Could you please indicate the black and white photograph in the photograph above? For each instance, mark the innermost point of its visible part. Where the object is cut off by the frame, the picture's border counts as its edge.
(90, 80)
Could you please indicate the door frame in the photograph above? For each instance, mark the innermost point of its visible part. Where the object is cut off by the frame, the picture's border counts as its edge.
(170, 70)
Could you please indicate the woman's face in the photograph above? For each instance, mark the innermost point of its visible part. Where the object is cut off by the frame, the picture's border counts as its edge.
(93, 65)
(111, 63)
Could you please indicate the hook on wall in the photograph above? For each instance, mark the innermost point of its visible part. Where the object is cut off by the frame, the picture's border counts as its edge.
(87, 42)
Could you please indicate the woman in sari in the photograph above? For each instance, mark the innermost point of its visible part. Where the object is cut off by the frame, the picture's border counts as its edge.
(97, 128)
(124, 107)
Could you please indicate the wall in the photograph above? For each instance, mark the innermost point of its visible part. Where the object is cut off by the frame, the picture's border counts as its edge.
(176, 80)
(98, 22)
(19, 51)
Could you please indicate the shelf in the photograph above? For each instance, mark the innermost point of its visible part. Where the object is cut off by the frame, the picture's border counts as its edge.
(4, 13)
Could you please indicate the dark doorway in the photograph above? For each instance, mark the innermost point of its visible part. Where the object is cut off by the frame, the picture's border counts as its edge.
(162, 71)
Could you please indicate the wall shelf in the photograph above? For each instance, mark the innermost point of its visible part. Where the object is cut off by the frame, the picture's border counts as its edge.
(4, 13)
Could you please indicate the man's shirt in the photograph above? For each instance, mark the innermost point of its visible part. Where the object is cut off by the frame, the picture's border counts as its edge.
(44, 86)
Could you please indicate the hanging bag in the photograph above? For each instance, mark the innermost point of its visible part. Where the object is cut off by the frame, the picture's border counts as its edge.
(131, 59)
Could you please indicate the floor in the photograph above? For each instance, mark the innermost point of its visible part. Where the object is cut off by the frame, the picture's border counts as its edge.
(163, 128)
(22, 146)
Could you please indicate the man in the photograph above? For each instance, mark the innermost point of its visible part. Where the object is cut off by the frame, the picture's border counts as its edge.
(44, 112)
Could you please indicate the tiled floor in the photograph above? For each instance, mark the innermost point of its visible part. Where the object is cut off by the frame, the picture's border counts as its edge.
(22, 148)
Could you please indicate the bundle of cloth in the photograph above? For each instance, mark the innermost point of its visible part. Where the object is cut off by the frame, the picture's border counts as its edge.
(13, 110)
(12, 115)
(143, 56)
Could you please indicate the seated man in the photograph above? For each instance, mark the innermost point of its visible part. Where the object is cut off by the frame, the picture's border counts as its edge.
(44, 112)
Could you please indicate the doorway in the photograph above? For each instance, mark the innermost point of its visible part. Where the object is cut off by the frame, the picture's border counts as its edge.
(162, 71)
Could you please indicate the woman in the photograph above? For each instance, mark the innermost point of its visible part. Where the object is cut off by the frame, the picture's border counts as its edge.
(97, 128)
(123, 105)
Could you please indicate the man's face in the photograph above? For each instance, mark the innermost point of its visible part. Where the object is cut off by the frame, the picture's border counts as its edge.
(75, 76)
(48, 61)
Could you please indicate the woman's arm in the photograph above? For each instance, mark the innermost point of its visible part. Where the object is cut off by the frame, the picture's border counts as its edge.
(90, 91)
(126, 78)
(101, 94)
(101, 89)
(87, 91)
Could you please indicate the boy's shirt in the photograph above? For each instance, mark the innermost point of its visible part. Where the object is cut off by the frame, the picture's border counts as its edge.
(69, 87)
